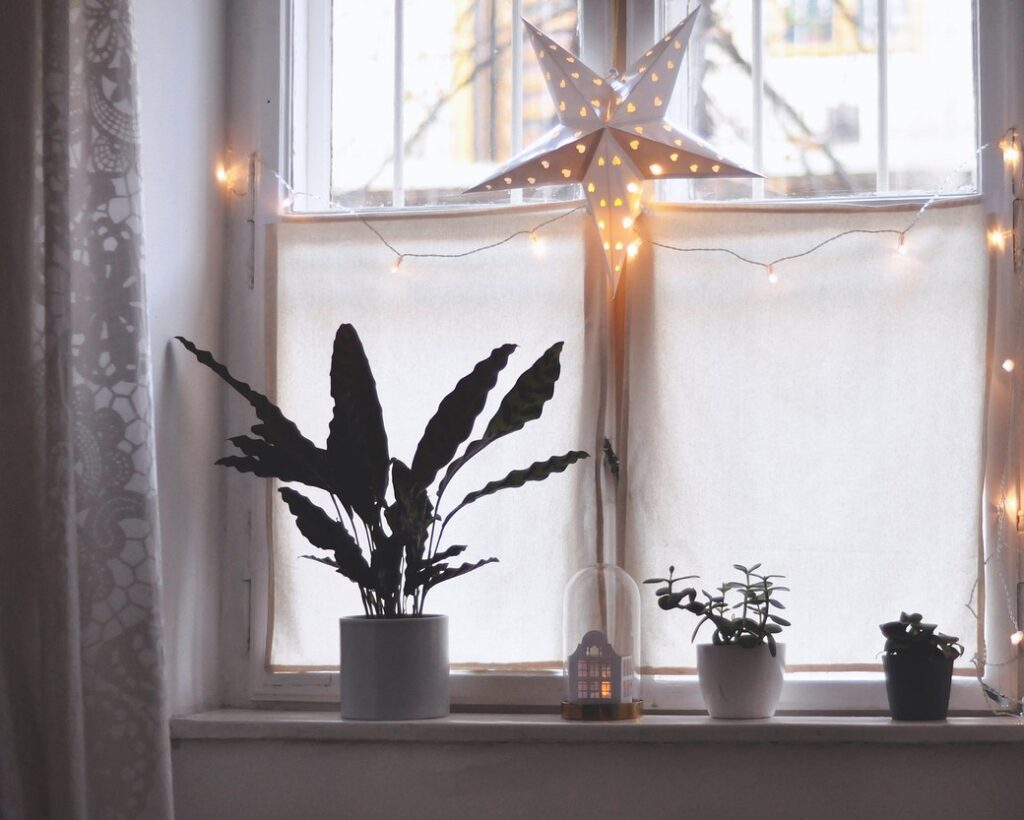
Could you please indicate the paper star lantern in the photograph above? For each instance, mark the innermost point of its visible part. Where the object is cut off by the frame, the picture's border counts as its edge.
(612, 135)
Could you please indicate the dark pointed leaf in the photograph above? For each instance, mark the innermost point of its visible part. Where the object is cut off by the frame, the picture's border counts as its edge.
(537, 471)
(412, 514)
(455, 416)
(325, 533)
(523, 403)
(287, 454)
(446, 573)
(262, 458)
(357, 446)
(772, 646)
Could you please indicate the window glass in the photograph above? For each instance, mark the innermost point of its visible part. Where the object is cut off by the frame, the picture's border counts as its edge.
(823, 107)
(458, 82)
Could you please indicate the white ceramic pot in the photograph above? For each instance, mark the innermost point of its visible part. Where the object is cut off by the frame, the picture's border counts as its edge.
(740, 683)
(394, 668)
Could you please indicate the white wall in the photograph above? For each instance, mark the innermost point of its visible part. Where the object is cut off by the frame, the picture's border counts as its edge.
(181, 73)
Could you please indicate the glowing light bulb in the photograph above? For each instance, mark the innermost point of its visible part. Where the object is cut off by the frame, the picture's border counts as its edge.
(632, 250)
(656, 169)
(901, 244)
(397, 263)
(222, 175)
(632, 187)
(538, 243)
(997, 239)
(1008, 365)
(627, 222)
(773, 277)
(1017, 638)
(1011, 151)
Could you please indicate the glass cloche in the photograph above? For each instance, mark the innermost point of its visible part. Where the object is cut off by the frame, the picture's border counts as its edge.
(601, 645)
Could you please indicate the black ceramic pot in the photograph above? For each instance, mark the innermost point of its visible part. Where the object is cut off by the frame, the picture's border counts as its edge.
(917, 682)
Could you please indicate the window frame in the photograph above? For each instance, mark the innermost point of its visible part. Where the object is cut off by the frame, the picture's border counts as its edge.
(246, 578)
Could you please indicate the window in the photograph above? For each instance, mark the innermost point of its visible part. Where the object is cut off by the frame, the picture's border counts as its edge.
(798, 88)
(332, 270)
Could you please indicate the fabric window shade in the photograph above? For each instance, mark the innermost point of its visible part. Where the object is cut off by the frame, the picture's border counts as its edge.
(424, 327)
(830, 426)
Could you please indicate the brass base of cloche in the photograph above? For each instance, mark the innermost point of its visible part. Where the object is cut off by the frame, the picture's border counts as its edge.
(602, 711)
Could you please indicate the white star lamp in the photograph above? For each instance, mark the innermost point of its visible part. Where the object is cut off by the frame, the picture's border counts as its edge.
(611, 136)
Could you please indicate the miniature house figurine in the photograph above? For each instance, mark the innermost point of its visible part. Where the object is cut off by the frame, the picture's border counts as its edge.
(597, 674)
(601, 645)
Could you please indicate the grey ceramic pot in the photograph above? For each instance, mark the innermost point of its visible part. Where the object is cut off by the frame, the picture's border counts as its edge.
(394, 668)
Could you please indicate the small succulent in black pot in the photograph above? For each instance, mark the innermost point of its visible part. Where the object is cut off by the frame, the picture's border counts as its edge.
(918, 664)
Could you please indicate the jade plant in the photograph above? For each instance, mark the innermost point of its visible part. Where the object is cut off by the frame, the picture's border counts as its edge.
(909, 633)
(385, 530)
(742, 612)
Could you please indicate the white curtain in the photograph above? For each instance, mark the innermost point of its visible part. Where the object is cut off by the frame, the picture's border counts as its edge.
(83, 730)
(424, 327)
(830, 425)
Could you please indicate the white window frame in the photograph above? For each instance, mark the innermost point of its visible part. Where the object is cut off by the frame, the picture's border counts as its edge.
(259, 118)
(312, 95)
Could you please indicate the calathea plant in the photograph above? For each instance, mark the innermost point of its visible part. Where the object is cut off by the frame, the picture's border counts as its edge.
(748, 621)
(389, 544)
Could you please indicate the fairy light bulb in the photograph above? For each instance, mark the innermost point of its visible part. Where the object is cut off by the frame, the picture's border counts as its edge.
(901, 244)
(397, 263)
(997, 239)
(773, 277)
(223, 177)
(1011, 150)
(537, 243)
(627, 222)
(1017, 638)
(1008, 365)
(632, 249)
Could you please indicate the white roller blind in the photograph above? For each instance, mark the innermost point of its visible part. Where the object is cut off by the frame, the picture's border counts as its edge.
(423, 328)
(829, 426)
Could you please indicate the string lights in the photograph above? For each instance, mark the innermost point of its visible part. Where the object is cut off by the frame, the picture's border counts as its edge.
(997, 239)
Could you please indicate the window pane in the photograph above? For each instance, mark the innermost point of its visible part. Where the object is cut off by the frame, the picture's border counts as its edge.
(932, 126)
(821, 98)
(362, 118)
(713, 96)
(457, 100)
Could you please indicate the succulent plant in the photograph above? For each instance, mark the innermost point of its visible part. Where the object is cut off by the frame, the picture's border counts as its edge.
(389, 543)
(748, 621)
(909, 633)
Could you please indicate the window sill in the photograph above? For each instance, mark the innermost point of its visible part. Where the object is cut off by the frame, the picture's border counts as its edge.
(243, 724)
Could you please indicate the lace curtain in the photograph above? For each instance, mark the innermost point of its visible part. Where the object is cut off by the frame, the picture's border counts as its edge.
(82, 718)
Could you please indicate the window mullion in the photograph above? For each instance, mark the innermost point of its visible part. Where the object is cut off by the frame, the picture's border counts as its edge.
(757, 90)
(516, 29)
(398, 137)
(882, 174)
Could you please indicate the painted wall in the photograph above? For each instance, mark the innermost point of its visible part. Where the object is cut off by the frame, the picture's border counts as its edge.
(181, 70)
(298, 780)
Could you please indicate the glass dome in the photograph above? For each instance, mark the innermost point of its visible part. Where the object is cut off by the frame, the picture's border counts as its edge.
(601, 645)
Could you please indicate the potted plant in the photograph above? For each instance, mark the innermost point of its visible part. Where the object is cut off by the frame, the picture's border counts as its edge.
(384, 530)
(918, 664)
(741, 670)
